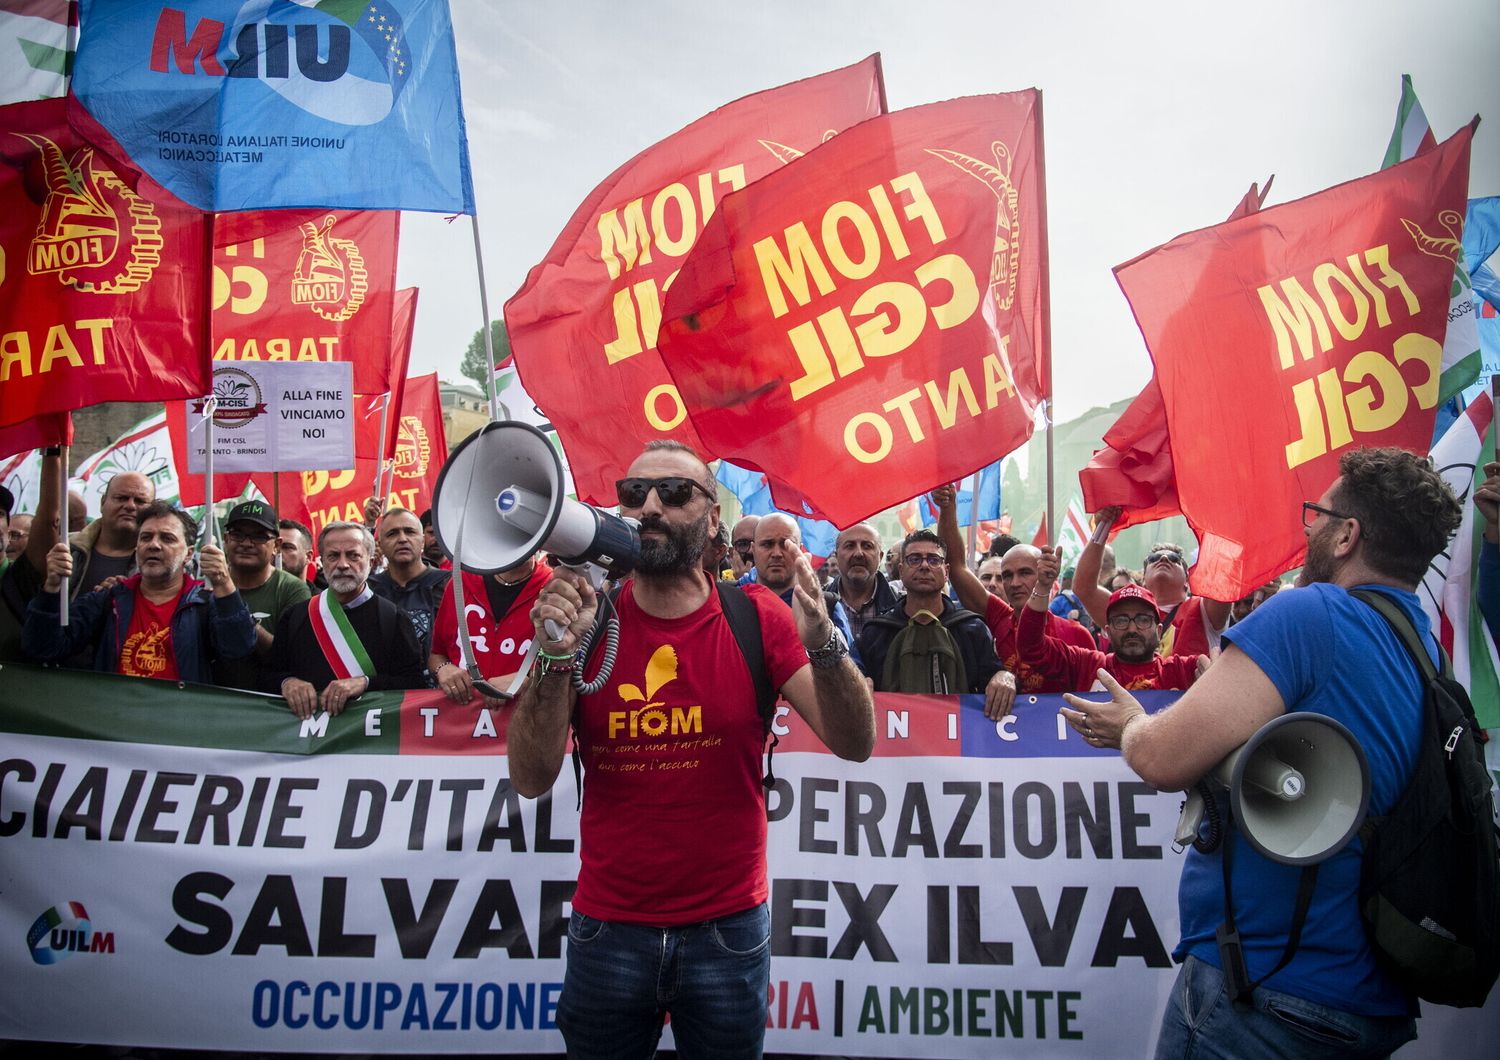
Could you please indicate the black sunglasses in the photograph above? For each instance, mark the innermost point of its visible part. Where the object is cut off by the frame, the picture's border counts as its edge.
(1165, 554)
(674, 491)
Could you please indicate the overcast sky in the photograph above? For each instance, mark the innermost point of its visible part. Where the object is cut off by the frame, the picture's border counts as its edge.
(1157, 118)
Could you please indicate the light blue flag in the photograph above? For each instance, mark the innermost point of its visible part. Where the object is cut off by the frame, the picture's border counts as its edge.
(989, 498)
(1482, 249)
(754, 494)
(264, 104)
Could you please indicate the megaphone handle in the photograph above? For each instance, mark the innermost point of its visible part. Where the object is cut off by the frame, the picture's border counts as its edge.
(555, 630)
(1192, 817)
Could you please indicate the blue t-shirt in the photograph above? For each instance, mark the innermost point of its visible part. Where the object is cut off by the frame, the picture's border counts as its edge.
(1328, 653)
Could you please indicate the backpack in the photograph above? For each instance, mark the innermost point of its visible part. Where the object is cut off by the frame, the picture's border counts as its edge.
(1430, 880)
(924, 657)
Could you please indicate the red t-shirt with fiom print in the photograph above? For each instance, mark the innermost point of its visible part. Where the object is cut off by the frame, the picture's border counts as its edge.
(674, 815)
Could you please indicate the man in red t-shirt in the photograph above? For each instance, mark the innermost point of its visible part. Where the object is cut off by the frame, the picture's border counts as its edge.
(1190, 624)
(159, 622)
(1018, 574)
(1132, 621)
(497, 616)
(670, 912)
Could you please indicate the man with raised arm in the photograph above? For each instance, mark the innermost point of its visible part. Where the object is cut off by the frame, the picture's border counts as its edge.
(670, 913)
(1132, 621)
(1016, 572)
(1191, 625)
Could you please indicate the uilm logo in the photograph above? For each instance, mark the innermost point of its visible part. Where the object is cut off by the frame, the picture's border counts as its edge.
(65, 930)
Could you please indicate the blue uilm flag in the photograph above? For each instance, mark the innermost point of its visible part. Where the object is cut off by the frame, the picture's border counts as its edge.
(260, 104)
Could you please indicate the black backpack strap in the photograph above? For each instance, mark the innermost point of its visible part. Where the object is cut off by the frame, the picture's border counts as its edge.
(744, 623)
(1406, 633)
(1237, 982)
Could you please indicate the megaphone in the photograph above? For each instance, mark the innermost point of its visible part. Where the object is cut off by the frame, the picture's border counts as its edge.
(1299, 789)
(500, 498)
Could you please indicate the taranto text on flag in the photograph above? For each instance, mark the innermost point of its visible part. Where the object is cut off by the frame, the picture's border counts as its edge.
(876, 304)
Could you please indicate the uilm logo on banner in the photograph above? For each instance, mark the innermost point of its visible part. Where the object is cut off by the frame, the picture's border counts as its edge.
(64, 930)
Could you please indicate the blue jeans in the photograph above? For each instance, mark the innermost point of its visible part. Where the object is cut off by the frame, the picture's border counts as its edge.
(622, 979)
(1200, 1021)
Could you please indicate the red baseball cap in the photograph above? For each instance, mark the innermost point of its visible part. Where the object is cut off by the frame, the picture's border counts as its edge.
(1133, 592)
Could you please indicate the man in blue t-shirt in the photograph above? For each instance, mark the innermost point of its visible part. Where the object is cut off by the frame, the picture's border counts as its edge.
(1316, 649)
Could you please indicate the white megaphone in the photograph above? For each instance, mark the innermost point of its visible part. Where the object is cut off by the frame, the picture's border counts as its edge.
(1299, 790)
(500, 498)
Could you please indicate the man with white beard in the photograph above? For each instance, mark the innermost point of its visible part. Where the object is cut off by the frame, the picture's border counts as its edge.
(326, 652)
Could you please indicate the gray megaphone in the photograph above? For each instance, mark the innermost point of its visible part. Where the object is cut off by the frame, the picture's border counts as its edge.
(1299, 789)
(499, 499)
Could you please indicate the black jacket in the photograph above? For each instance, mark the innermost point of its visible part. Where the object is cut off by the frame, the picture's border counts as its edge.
(975, 644)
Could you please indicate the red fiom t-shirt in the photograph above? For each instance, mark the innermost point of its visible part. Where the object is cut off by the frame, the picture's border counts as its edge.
(1001, 618)
(147, 650)
(674, 815)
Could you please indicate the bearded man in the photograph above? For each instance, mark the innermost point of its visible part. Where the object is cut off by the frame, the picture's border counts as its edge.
(345, 641)
(670, 913)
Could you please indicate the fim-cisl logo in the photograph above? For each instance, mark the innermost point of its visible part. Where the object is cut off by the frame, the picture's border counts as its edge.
(63, 931)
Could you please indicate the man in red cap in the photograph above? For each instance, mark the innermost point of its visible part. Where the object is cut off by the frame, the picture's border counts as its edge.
(1133, 625)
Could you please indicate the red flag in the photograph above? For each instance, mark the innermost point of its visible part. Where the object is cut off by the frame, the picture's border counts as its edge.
(51, 429)
(103, 291)
(421, 450)
(1040, 537)
(1134, 469)
(868, 321)
(307, 285)
(403, 318)
(1284, 338)
(583, 326)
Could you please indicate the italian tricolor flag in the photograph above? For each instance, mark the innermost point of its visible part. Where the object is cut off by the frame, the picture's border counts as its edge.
(1461, 358)
(1447, 592)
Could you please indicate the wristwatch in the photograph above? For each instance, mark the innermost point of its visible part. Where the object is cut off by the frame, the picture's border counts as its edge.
(828, 656)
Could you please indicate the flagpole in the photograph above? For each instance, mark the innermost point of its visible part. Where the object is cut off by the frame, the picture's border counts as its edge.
(385, 408)
(484, 308)
(210, 406)
(62, 532)
(1045, 296)
(276, 504)
(973, 517)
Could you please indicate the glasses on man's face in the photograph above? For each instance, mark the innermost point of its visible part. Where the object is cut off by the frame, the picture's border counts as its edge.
(260, 537)
(674, 491)
(1156, 557)
(1311, 511)
(1142, 621)
(743, 544)
(918, 559)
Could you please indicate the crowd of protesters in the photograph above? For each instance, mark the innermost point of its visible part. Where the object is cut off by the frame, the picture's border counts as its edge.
(372, 605)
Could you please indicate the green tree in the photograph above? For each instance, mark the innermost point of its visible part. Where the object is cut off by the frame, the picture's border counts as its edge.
(473, 366)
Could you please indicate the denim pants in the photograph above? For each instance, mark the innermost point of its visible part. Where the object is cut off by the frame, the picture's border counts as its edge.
(1200, 1021)
(622, 979)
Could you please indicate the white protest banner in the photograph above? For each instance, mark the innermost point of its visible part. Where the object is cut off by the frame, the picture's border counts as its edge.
(194, 868)
(277, 416)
